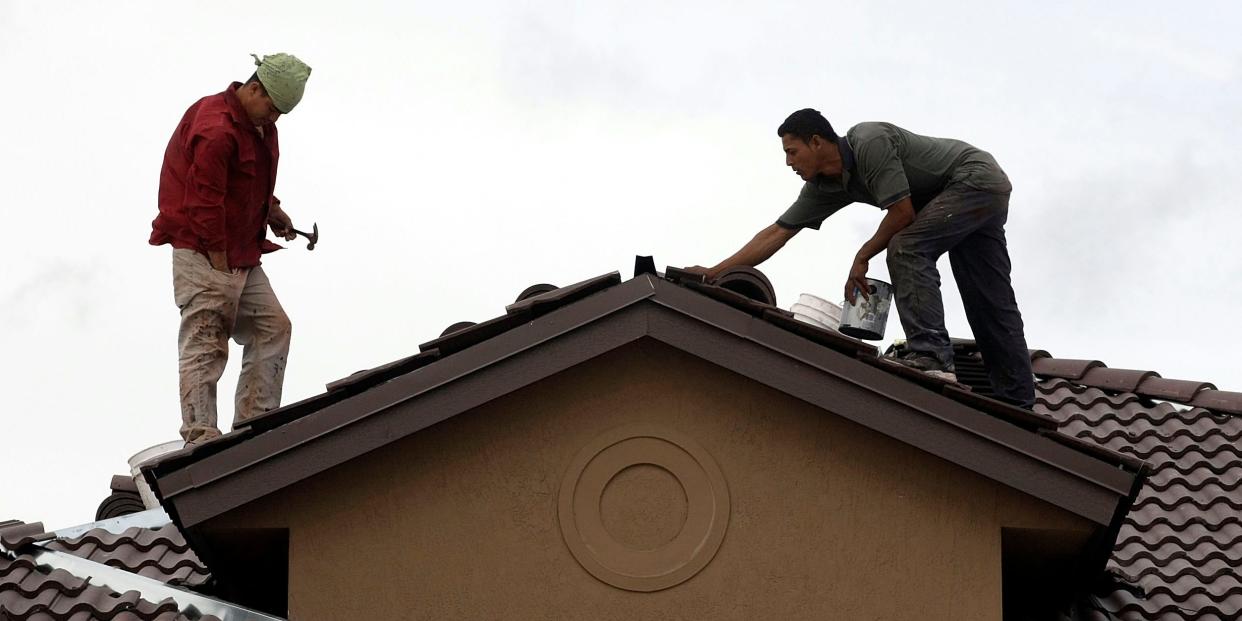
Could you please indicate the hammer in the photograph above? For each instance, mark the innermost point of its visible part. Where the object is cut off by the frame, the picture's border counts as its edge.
(313, 237)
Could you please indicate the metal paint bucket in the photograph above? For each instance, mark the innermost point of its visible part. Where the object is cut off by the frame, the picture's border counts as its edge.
(866, 318)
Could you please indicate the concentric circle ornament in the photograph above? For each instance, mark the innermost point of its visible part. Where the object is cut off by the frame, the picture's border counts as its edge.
(643, 508)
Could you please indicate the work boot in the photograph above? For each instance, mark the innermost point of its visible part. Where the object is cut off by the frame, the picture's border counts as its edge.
(927, 363)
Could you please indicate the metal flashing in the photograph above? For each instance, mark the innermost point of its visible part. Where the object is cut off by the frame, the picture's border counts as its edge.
(121, 581)
(151, 518)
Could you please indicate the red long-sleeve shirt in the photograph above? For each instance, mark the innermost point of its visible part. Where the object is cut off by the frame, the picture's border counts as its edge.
(216, 182)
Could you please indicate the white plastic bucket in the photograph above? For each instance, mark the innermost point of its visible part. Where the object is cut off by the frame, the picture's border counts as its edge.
(817, 311)
(143, 456)
(866, 318)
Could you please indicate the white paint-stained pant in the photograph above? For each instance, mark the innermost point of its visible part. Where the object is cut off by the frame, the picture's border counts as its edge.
(215, 306)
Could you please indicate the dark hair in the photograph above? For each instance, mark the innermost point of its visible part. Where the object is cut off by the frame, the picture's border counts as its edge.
(806, 123)
(254, 77)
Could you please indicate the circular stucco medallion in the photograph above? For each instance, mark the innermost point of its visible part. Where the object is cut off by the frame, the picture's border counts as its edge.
(643, 508)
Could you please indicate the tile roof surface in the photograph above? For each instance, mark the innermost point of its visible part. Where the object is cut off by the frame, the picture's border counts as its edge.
(28, 591)
(1181, 544)
(1179, 551)
(157, 553)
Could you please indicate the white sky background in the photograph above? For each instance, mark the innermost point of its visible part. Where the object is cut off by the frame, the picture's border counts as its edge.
(453, 155)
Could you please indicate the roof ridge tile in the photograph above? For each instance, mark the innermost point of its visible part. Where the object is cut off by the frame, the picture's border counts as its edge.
(1148, 384)
(1117, 380)
(1219, 400)
(1065, 368)
(1181, 391)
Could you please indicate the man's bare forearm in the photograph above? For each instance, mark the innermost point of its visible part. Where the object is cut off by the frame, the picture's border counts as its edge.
(759, 249)
(896, 218)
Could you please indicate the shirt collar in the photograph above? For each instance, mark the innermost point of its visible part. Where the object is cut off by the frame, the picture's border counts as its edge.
(848, 164)
(235, 108)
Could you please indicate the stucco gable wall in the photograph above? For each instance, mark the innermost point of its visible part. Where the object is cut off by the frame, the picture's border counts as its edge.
(826, 519)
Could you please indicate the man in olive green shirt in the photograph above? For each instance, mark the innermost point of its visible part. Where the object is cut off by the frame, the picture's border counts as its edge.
(939, 195)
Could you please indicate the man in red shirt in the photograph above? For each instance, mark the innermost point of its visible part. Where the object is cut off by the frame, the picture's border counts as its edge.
(215, 201)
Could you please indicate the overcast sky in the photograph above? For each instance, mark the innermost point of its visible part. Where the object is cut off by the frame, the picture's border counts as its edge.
(455, 153)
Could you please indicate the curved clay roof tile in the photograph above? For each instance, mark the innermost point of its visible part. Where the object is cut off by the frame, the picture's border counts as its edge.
(749, 282)
(1066, 368)
(1180, 391)
(1117, 380)
(1219, 401)
(534, 290)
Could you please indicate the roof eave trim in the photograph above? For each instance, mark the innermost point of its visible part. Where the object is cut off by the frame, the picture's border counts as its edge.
(569, 336)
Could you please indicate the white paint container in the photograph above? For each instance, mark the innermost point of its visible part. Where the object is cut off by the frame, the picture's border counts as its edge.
(144, 456)
(817, 312)
(866, 318)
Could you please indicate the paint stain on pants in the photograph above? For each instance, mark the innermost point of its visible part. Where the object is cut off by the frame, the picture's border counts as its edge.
(216, 306)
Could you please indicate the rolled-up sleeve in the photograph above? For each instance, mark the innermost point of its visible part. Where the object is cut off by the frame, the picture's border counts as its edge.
(881, 170)
(206, 185)
(813, 205)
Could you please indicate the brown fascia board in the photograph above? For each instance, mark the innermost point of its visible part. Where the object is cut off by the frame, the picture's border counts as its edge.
(182, 486)
(645, 307)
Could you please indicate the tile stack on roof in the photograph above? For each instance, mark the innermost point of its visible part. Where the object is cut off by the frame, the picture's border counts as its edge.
(1179, 550)
(123, 500)
(28, 591)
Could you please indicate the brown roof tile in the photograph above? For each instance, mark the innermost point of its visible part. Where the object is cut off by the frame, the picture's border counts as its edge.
(1063, 367)
(158, 553)
(1219, 400)
(457, 327)
(17, 535)
(123, 483)
(1117, 380)
(749, 282)
(1181, 391)
(534, 290)
(556, 298)
(29, 592)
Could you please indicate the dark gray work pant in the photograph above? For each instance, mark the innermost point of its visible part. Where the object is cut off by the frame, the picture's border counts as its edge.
(969, 224)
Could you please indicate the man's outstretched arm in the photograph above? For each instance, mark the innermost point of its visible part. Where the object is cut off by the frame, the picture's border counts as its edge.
(759, 249)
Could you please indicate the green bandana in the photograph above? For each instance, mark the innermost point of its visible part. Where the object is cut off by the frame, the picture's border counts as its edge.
(284, 78)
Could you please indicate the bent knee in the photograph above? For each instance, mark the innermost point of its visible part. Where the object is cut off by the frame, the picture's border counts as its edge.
(900, 251)
(283, 325)
(276, 327)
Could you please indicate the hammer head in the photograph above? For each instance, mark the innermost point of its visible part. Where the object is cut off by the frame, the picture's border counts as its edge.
(313, 237)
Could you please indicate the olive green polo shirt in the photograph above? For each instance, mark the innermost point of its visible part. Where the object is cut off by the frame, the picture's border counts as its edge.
(882, 164)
